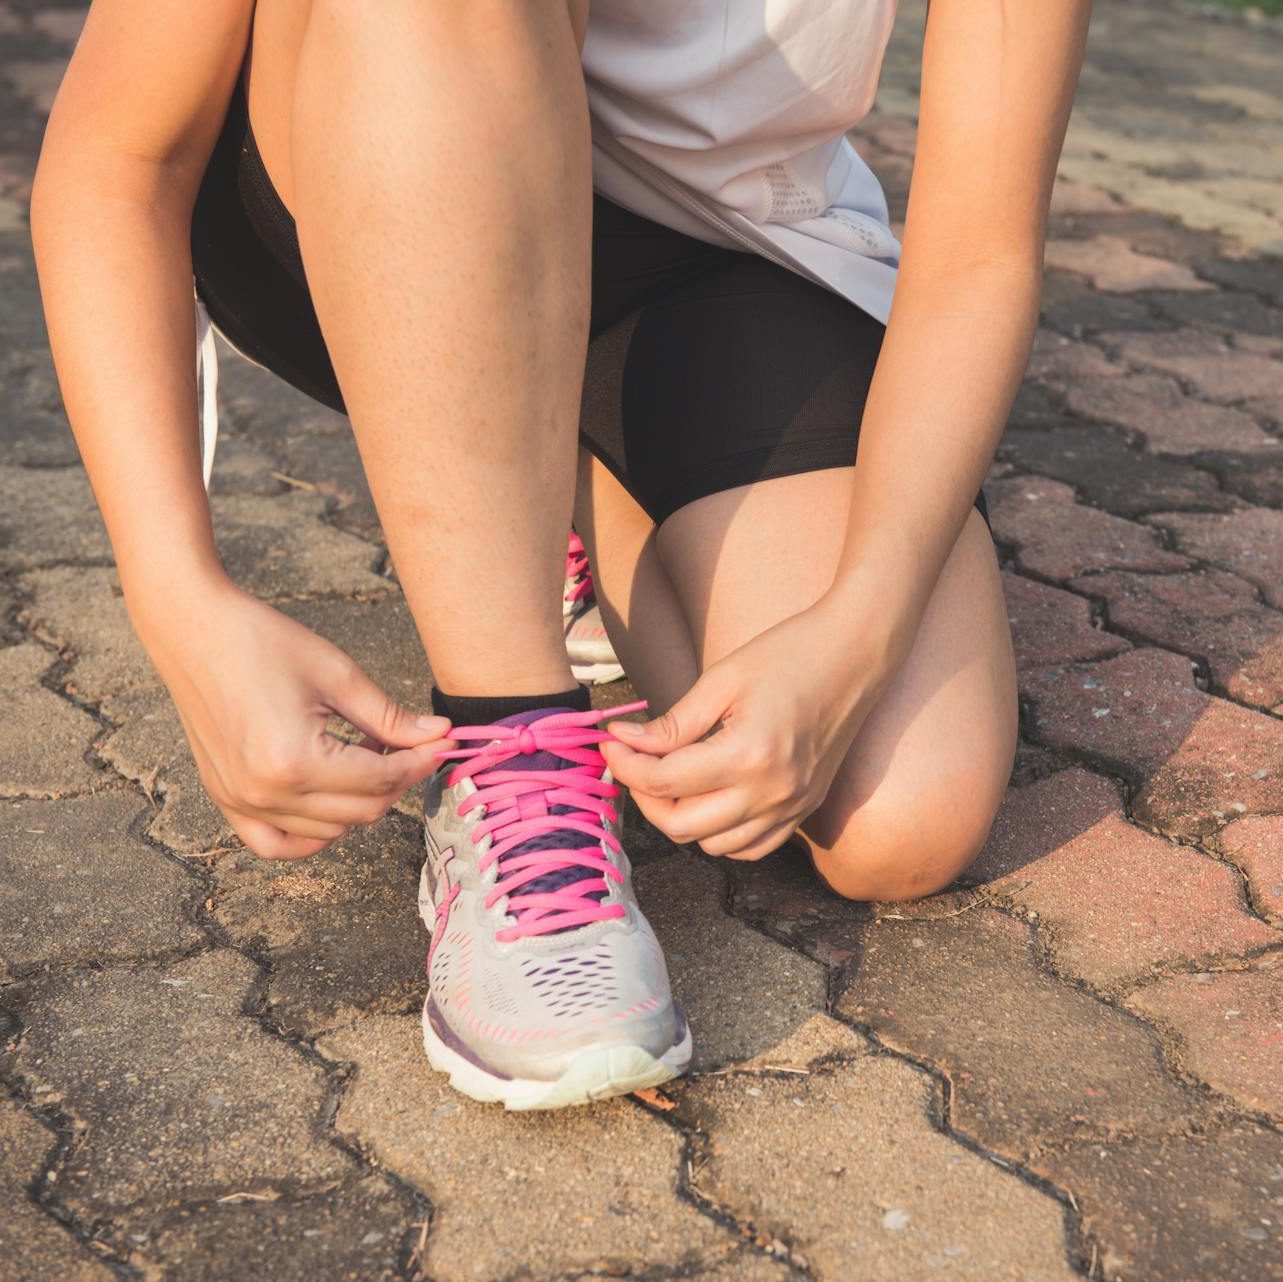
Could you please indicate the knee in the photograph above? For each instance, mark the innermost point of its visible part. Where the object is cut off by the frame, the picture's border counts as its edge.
(887, 851)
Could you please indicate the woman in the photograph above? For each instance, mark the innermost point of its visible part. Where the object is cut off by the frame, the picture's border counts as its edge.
(392, 206)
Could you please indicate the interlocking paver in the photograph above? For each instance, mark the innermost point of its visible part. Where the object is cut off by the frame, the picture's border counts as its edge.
(1169, 420)
(360, 1233)
(1118, 903)
(1070, 305)
(1058, 538)
(1051, 626)
(1202, 761)
(1205, 359)
(1227, 309)
(48, 515)
(78, 887)
(1248, 543)
(43, 738)
(1258, 479)
(1211, 613)
(341, 931)
(876, 1182)
(33, 1245)
(544, 1193)
(1057, 359)
(742, 993)
(1188, 1208)
(1110, 473)
(148, 747)
(1255, 845)
(1033, 1062)
(1114, 266)
(1230, 1028)
(177, 1095)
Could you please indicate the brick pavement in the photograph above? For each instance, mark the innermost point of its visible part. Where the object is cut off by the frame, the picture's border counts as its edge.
(1069, 1064)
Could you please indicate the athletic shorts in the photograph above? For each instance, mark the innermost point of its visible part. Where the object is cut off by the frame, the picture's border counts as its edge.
(708, 368)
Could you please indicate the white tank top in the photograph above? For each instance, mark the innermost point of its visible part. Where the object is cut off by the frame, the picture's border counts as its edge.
(726, 119)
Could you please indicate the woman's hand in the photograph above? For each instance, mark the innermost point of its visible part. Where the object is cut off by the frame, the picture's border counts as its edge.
(253, 689)
(751, 750)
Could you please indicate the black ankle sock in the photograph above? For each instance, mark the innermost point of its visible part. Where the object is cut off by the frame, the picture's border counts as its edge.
(469, 710)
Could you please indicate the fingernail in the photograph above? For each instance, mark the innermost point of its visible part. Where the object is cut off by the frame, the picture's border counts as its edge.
(439, 724)
(629, 729)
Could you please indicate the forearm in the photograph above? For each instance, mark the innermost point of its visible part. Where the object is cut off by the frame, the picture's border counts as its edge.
(955, 350)
(111, 239)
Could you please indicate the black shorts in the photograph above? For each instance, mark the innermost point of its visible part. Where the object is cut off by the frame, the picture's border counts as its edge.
(708, 368)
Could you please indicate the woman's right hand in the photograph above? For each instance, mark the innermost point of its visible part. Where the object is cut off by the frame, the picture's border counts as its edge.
(253, 689)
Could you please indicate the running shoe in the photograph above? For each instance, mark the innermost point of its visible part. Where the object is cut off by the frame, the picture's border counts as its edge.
(546, 984)
(592, 657)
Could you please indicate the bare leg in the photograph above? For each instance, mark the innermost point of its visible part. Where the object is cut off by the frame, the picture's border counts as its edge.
(914, 800)
(443, 197)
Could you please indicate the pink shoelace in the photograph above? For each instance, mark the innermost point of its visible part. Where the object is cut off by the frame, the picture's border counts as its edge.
(578, 571)
(518, 806)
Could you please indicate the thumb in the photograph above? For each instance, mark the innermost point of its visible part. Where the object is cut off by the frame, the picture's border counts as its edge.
(381, 717)
(691, 718)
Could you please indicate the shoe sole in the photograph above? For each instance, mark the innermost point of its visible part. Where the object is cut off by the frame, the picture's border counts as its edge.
(599, 1073)
(597, 674)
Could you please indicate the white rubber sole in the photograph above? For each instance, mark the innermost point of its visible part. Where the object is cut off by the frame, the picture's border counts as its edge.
(599, 1073)
(597, 674)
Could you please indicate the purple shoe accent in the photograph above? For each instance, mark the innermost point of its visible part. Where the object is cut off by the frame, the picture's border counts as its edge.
(447, 1035)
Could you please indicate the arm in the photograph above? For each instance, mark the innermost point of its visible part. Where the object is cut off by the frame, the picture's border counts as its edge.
(128, 139)
(998, 79)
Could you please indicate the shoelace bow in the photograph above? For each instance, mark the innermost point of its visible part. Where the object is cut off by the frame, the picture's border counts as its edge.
(518, 805)
(578, 571)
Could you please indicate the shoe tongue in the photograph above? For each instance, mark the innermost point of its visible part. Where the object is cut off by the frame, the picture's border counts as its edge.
(564, 839)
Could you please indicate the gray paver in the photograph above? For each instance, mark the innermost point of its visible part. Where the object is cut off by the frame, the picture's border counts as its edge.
(77, 886)
(48, 515)
(179, 1095)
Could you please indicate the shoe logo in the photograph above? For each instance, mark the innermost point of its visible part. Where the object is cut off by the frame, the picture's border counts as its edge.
(438, 861)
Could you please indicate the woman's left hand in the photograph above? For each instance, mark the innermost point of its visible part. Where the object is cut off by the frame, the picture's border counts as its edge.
(751, 750)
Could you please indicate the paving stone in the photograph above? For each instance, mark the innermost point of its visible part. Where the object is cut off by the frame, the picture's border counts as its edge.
(784, 896)
(62, 25)
(329, 461)
(43, 738)
(380, 635)
(1248, 543)
(1254, 274)
(1059, 538)
(1033, 1062)
(1077, 198)
(240, 467)
(149, 747)
(78, 887)
(875, 1182)
(1204, 359)
(1200, 760)
(280, 547)
(1186, 1209)
(1116, 903)
(1226, 309)
(581, 1188)
(821, 1040)
(48, 514)
(1072, 306)
(1211, 613)
(359, 1233)
(10, 632)
(1230, 1027)
(1056, 359)
(1257, 478)
(742, 992)
(1111, 474)
(1113, 265)
(1255, 845)
(80, 610)
(340, 932)
(177, 1094)
(1169, 420)
(1051, 626)
(33, 1245)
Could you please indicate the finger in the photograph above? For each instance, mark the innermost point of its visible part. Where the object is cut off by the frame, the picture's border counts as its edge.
(336, 809)
(686, 722)
(269, 841)
(299, 825)
(353, 770)
(707, 766)
(753, 840)
(699, 818)
(377, 714)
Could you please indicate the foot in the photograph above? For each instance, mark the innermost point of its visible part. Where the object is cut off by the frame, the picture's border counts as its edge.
(546, 985)
(592, 657)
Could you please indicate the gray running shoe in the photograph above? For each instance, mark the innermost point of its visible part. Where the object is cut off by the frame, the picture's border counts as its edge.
(592, 657)
(546, 985)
